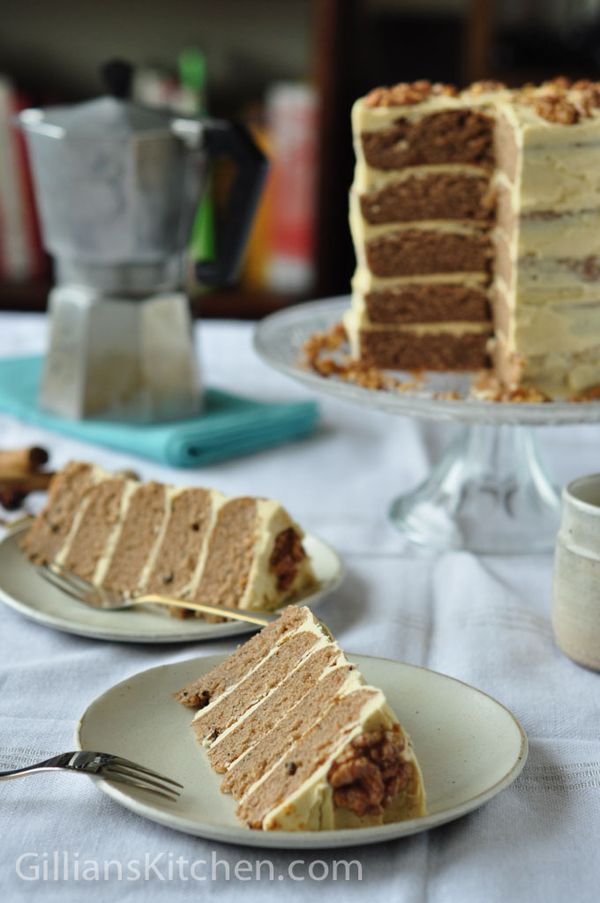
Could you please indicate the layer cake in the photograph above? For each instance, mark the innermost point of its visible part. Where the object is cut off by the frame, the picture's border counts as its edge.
(475, 221)
(191, 543)
(302, 742)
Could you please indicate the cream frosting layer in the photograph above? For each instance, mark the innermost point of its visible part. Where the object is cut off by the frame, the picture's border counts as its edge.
(365, 281)
(366, 178)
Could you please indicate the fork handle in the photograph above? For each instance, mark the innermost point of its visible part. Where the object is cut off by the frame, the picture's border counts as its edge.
(235, 614)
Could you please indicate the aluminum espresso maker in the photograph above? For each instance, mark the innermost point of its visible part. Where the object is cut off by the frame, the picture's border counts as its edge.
(117, 188)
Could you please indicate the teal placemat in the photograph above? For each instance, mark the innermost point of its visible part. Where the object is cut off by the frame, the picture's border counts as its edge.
(229, 426)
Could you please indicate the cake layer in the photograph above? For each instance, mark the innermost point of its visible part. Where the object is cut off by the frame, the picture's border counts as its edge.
(179, 551)
(98, 517)
(123, 569)
(413, 251)
(46, 536)
(230, 554)
(448, 136)
(436, 351)
(426, 303)
(430, 196)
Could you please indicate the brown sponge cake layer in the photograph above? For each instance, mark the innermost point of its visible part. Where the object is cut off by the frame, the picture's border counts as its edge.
(410, 252)
(230, 554)
(400, 350)
(301, 718)
(103, 504)
(44, 539)
(293, 688)
(212, 721)
(210, 686)
(139, 533)
(313, 749)
(450, 136)
(427, 303)
(449, 196)
(182, 543)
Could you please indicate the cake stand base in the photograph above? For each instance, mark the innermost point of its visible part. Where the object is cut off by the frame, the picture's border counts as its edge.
(489, 494)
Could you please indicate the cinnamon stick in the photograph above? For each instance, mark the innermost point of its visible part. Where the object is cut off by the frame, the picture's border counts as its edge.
(11, 498)
(25, 482)
(22, 460)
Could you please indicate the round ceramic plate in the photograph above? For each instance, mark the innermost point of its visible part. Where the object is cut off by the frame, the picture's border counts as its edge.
(470, 748)
(24, 589)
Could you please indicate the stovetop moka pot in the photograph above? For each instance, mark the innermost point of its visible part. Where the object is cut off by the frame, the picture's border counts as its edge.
(117, 188)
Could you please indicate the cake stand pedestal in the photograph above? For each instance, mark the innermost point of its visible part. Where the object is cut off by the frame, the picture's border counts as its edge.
(489, 493)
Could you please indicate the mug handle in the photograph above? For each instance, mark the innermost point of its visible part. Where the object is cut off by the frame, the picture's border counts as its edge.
(219, 138)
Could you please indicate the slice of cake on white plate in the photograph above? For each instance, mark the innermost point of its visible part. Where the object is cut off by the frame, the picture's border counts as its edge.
(191, 543)
(303, 742)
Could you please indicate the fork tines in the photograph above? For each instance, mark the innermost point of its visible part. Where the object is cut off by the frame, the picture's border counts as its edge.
(124, 771)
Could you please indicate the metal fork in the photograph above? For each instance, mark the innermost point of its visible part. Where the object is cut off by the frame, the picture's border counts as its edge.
(98, 597)
(104, 765)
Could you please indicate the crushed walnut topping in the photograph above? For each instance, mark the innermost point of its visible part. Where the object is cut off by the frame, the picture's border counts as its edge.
(487, 387)
(485, 86)
(370, 771)
(349, 369)
(554, 108)
(287, 553)
(561, 101)
(590, 394)
(406, 93)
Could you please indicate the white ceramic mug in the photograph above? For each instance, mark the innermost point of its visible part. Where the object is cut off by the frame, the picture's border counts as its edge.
(576, 590)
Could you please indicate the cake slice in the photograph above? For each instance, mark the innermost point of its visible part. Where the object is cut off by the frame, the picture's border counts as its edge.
(190, 543)
(303, 743)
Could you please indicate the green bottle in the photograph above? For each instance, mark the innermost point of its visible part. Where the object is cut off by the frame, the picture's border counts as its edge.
(192, 74)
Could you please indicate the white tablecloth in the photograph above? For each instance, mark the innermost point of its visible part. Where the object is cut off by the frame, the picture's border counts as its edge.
(483, 620)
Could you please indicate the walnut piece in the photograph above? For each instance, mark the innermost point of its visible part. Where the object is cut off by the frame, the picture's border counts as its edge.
(407, 93)
(485, 86)
(370, 771)
(287, 553)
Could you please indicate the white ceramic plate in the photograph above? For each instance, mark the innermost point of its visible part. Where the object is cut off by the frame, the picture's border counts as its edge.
(22, 588)
(470, 747)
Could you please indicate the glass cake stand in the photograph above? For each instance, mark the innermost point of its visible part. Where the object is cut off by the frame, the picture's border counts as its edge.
(490, 492)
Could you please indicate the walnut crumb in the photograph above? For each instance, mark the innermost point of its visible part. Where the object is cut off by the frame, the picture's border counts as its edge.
(344, 367)
(370, 771)
(485, 86)
(407, 93)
